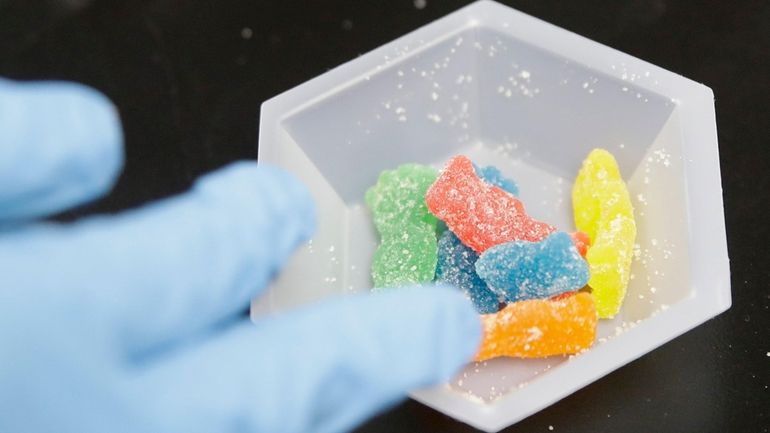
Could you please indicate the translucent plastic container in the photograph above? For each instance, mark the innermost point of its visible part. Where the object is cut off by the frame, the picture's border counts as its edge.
(532, 99)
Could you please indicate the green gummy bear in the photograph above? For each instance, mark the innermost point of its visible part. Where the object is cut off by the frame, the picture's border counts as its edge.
(398, 198)
(408, 250)
(406, 256)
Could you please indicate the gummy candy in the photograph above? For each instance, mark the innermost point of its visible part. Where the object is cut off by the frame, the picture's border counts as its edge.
(564, 295)
(399, 197)
(407, 252)
(406, 256)
(456, 262)
(522, 270)
(491, 175)
(582, 242)
(456, 266)
(603, 210)
(598, 192)
(539, 328)
(493, 251)
(481, 215)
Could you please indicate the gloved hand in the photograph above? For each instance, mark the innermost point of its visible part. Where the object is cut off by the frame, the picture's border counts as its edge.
(133, 322)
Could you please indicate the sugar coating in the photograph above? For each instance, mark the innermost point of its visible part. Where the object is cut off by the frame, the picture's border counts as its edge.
(405, 257)
(603, 210)
(539, 327)
(491, 175)
(398, 197)
(456, 266)
(522, 270)
(481, 215)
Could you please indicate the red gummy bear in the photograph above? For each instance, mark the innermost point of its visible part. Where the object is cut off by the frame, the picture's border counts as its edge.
(481, 215)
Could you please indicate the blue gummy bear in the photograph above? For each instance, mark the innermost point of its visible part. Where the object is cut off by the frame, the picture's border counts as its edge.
(491, 175)
(456, 267)
(522, 270)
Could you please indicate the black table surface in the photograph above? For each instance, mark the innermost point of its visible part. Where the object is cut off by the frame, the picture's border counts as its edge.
(188, 81)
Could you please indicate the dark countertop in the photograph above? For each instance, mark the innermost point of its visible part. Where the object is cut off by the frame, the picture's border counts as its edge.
(188, 81)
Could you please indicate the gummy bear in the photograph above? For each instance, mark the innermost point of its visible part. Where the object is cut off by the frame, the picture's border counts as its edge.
(603, 210)
(456, 266)
(522, 270)
(407, 252)
(491, 175)
(540, 327)
(481, 215)
(398, 197)
(405, 256)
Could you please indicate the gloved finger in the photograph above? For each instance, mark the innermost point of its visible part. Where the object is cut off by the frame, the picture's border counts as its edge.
(60, 145)
(167, 270)
(323, 368)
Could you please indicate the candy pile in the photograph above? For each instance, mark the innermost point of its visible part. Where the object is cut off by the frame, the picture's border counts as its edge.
(539, 290)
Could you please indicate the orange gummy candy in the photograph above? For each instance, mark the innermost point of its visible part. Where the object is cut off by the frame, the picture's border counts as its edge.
(538, 328)
(480, 214)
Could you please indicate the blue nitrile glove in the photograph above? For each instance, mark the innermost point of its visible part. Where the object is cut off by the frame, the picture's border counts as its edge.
(134, 322)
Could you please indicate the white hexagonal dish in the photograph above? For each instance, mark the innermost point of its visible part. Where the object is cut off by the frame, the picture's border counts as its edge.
(508, 89)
